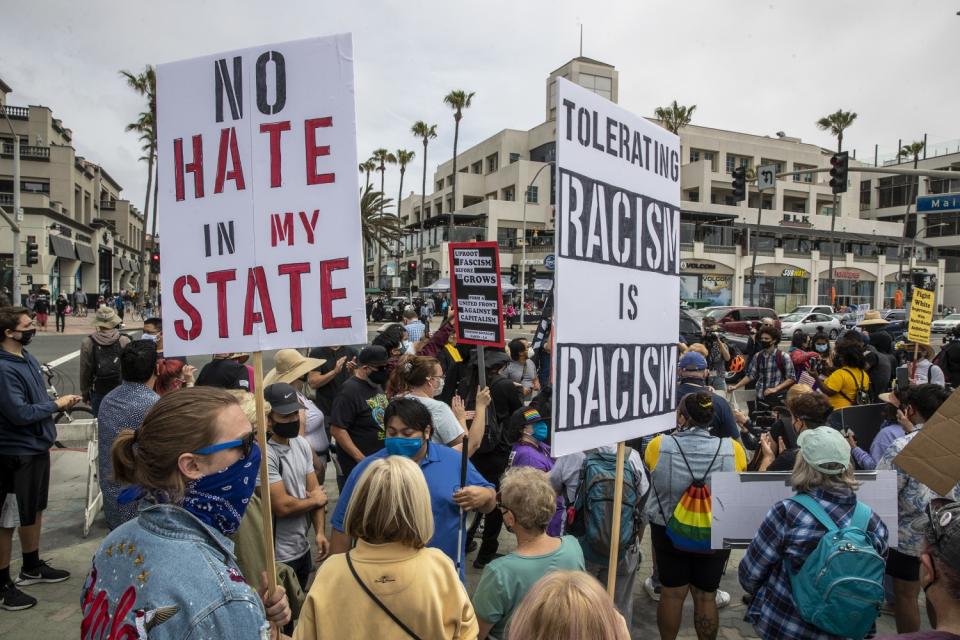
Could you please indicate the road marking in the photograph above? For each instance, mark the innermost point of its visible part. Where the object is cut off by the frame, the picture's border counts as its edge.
(66, 358)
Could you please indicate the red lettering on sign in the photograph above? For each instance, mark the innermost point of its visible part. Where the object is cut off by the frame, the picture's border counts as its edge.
(295, 270)
(221, 278)
(328, 294)
(275, 129)
(310, 226)
(228, 141)
(195, 167)
(257, 285)
(281, 230)
(314, 150)
(196, 322)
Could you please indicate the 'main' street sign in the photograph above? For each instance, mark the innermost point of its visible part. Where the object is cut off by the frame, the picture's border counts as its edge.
(941, 202)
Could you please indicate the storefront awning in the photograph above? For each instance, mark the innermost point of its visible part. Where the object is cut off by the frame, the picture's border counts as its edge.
(134, 265)
(125, 263)
(85, 253)
(543, 284)
(62, 247)
(438, 286)
(117, 265)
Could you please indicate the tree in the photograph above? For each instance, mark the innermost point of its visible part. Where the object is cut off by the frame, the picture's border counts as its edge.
(377, 229)
(382, 158)
(425, 132)
(366, 167)
(836, 123)
(674, 117)
(458, 100)
(145, 84)
(404, 158)
(914, 149)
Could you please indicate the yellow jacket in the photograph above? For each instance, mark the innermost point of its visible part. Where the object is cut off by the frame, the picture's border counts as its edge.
(419, 586)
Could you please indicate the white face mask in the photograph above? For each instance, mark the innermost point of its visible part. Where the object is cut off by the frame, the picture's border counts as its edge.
(530, 352)
(438, 389)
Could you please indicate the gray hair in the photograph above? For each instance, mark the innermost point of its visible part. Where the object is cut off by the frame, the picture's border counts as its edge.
(806, 478)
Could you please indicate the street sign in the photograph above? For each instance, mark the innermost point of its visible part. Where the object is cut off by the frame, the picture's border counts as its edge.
(941, 202)
(766, 177)
(550, 262)
(396, 282)
(530, 261)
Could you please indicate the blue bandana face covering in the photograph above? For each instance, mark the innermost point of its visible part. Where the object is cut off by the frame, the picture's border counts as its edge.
(406, 447)
(220, 498)
(540, 431)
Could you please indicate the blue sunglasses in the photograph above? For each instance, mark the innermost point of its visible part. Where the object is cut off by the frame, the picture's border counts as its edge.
(246, 443)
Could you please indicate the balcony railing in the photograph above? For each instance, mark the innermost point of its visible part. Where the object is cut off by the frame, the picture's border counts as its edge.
(28, 152)
(17, 113)
(108, 205)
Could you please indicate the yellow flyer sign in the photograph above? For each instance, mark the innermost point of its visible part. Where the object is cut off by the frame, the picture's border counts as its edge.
(921, 315)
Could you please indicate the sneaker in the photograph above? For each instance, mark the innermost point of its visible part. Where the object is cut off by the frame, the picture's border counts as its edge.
(472, 546)
(43, 573)
(12, 599)
(480, 563)
(723, 599)
(652, 590)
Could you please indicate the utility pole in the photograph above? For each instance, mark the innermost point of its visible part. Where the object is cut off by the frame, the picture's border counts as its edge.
(523, 260)
(15, 295)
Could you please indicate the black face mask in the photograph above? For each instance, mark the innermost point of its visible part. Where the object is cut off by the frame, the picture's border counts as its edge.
(765, 344)
(378, 376)
(26, 337)
(286, 429)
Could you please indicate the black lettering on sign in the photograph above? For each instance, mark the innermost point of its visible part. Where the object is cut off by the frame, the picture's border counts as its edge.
(599, 222)
(231, 85)
(602, 384)
(279, 83)
(226, 240)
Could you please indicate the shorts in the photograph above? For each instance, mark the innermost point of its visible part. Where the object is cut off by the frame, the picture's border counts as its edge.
(28, 478)
(903, 567)
(681, 568)
(41, 318)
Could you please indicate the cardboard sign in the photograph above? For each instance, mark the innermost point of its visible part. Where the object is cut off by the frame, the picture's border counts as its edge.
(921, 316)
(261, 245)
(933, 455)
(740, 502)
(617, 285)
(475, 279)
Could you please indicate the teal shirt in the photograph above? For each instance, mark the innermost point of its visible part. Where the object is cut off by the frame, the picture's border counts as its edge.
(506, 580)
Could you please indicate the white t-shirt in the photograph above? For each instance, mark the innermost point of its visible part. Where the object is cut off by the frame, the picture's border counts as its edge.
(446, 427)
(314, 432)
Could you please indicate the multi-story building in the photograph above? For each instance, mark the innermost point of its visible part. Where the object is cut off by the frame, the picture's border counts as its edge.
(88, 236)
(718, 237)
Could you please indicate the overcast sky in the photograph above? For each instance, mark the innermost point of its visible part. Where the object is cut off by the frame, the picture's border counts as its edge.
(758, 67)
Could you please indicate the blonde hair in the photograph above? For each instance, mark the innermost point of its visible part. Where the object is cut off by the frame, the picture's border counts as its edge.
(805, 478)
(527, 493)
(248, 404)
(567, 605)
(798, 389)
(391, 503)
(697, 347)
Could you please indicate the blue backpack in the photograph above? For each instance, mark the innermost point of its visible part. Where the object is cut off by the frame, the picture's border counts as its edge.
(839, 588)
(593, 507)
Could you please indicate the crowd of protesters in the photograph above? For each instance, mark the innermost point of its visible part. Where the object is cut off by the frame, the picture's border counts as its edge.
(392, 421)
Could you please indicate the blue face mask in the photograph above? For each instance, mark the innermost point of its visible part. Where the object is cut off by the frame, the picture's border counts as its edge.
(540, 431)
(219, 499)
(406, 447)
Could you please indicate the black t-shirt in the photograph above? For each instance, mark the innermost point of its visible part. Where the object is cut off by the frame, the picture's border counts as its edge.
(359, 408)
(226, 374)
(328, 392)
(42, 305)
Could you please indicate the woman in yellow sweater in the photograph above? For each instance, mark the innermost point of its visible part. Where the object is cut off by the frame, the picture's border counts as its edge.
(390, 585)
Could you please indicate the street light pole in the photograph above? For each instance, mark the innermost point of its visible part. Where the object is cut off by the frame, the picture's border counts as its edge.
(17, 214)
(523, 259)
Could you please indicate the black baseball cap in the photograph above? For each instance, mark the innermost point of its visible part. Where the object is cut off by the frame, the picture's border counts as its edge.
(373, 356)
(282, 398)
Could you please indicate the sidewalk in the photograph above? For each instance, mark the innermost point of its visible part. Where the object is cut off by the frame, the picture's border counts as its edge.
(83, 326)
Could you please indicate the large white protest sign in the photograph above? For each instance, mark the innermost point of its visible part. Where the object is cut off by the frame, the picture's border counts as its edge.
(260, 241)
(617, 287)
(740, 502)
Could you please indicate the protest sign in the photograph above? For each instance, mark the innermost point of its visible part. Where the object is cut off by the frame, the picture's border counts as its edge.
(475, 288)
(933, 455)
(617, 286)
(921, 315)
(258, 187)
(740, 502)
(542, 334)
(864, 421)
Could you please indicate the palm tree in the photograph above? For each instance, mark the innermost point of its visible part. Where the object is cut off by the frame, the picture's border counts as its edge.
(366, 167)
(404, 158)
(458, 100)
(382, 157)
(145, 84)
(674, 117)
(426, 132)
(836, 123)
(914, 149)
(377, 228)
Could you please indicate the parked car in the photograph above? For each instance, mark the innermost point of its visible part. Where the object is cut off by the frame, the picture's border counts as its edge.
(810, 308)
(945, 325)
(809, 323)
(739, 319)
(691, 330)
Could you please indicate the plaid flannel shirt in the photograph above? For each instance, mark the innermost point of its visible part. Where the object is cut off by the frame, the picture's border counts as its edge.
(764, 371)
(788, 535)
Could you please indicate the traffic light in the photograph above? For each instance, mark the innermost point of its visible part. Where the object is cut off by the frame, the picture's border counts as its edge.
(739, 184)
(531, 277)
(33, 251)
(838, 173)
(514, 274)
(412, 268)
(154, 262)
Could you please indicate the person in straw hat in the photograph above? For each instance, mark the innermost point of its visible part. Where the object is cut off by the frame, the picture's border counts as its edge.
(292, 367)
(100, 357)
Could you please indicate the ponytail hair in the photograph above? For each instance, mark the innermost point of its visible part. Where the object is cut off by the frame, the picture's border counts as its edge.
(409, 373)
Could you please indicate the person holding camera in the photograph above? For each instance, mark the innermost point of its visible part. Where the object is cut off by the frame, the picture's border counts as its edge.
(718, 354)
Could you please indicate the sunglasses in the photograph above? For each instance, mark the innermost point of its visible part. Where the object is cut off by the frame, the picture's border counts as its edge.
(245, 443)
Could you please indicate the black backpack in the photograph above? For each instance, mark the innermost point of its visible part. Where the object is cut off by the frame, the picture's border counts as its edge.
(106, 367)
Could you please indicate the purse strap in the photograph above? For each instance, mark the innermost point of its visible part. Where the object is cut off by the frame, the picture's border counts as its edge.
(378, 602)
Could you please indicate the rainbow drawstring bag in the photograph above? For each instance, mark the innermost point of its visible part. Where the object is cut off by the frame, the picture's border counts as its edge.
(689, 525)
